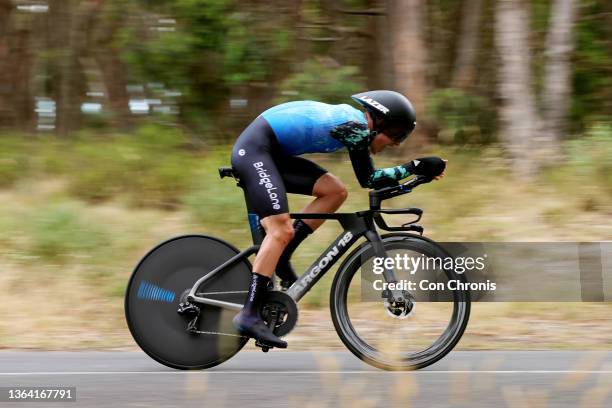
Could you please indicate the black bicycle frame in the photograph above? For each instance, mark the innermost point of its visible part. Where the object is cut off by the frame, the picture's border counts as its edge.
(356, 225)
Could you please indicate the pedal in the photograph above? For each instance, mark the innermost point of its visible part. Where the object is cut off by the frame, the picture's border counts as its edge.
(264, 347)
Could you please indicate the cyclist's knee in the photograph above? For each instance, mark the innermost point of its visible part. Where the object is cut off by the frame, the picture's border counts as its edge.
(342, 193)
(330, 185)
(283, 233)
(280, 228)
(338, 190)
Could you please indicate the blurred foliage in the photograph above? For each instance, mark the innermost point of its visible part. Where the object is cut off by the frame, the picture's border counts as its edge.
(137, 167)
(58, 232)
(13, 160)
(592, 65)
(591, 156)
(151, 167)
(586, 177)
(321, 79)
(209, 197)
(461, 117)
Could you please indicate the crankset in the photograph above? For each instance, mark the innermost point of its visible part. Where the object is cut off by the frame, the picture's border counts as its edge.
(280, 312)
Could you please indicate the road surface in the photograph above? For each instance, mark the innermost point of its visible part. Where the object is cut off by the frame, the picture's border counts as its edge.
(317, 379)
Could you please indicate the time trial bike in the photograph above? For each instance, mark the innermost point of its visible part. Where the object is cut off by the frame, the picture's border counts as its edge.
(182, 295)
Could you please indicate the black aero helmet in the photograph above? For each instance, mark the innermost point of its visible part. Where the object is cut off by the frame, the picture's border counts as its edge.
(391, 111)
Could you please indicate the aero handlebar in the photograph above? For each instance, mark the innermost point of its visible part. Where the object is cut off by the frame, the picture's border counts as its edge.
(377, 196)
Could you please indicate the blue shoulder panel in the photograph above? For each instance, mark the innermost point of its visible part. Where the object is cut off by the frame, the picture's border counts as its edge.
(305, 126)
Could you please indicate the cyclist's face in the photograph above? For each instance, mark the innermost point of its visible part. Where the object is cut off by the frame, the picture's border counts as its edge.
(380, 142)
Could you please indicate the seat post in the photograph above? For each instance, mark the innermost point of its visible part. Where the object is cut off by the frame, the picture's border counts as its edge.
(257, 231)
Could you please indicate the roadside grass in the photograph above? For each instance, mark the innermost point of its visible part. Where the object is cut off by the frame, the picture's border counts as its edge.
(76, 218)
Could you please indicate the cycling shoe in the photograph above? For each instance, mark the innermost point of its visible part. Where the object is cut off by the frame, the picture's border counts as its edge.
(258, 330)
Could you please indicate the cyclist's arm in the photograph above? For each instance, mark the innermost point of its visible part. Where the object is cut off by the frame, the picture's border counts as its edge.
(356, 137)
(370, 177)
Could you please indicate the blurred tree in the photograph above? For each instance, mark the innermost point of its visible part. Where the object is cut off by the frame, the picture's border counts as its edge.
(592, 66)
(557, 92)
(534, 138)
(105, 46)
(409, 55)
(519, 119)
(67, 21)
(7, 114)
(16, 101)
(464, 69)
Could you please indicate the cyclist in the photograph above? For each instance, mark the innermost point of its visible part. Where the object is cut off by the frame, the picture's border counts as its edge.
(266, 159)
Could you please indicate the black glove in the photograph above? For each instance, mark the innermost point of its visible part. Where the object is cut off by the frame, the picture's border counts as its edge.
(426, 166)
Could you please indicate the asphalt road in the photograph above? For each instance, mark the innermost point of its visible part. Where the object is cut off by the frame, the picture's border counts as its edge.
(321, 379)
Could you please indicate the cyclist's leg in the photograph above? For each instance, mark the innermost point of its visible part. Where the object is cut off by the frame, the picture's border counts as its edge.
(257, 167)
(330, 194)
(266, 193)
(302, 176)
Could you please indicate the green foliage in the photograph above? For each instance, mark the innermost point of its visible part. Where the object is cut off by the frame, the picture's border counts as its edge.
(591, 156)
(14, 160)
(57, 231)
(208, 197)
(153, 167)
(150, 168)
(461, 117)
(321, 79)
(592, 66)
(251, 57)
(586, 176)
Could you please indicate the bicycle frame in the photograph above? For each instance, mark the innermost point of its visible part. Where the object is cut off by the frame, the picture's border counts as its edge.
(356, 225)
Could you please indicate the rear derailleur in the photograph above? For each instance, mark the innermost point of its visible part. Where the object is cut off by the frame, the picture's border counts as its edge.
(190, 310)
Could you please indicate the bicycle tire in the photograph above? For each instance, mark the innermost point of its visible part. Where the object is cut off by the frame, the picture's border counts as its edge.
(369, 354)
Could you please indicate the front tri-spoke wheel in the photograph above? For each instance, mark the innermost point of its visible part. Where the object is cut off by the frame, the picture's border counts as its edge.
(404, 337)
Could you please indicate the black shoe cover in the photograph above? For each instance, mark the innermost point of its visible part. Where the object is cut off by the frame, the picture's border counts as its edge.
(258, 330)
(286, 274)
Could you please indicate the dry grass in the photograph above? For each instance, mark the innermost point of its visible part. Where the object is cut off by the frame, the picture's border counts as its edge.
(77, 301)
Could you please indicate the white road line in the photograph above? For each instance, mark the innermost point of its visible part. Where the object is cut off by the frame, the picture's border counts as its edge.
(311, 372)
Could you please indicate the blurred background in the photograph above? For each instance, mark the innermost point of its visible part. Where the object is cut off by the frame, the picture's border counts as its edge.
(114, 116)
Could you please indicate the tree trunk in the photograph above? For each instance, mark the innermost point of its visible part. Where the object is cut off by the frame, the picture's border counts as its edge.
(6, 83)
(409, 56)
(67, 78)
(557, 77)
(518, 116)
(23, 101)
(463, 72)
(377, 53)
(113, 69)
(16, 102)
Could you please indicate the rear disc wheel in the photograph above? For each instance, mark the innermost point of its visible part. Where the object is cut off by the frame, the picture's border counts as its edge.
(158, 285)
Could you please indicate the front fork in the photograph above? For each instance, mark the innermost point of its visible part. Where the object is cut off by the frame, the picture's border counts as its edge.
(393, 296)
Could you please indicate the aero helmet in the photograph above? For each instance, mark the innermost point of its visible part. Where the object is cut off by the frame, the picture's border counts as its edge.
(391, 112)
